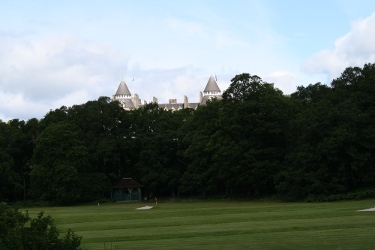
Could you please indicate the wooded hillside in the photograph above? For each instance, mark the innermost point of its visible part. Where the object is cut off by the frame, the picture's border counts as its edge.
(256, 141)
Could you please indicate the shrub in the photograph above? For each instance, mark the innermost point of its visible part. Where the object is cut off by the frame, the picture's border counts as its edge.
(19, 232)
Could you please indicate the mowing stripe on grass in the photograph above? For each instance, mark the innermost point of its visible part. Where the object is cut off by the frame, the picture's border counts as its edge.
(221, 225)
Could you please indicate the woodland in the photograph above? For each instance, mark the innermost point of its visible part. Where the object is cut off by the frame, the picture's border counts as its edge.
(316, 144)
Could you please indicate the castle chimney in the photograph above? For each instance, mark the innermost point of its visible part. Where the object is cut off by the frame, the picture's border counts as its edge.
(136, 101)
(186, 102)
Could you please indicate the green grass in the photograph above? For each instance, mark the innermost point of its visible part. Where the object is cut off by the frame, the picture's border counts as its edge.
(220, 225)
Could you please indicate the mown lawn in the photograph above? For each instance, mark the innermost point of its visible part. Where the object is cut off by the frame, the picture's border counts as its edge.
(220, 225)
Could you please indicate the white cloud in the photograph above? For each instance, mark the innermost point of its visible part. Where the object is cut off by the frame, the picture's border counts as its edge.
(353, 49)
(14, 106)
(168, 84)
(282, 80)
(51, 71)
(71, 99)
(170, 53)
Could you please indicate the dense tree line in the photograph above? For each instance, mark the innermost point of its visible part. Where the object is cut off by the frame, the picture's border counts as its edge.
(256, 141)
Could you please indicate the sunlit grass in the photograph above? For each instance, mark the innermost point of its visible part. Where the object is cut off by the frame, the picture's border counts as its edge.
(220, 225)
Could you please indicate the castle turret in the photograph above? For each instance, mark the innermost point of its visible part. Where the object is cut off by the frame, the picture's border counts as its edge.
(211, 91)
(123, 96)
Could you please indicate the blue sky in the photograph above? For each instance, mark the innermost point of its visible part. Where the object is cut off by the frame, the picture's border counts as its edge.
(55, 53)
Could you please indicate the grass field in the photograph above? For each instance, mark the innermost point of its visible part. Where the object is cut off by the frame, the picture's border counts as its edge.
(220, 225)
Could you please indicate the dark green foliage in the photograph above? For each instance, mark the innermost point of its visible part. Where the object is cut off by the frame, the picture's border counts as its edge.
(318, 142)
(238, 144)
(251, 144)
(368, 193)
(77, 153)
(156, 131)
(200, 177)
(15, 155)
(60, 158)
(333, 141)
(19, 232)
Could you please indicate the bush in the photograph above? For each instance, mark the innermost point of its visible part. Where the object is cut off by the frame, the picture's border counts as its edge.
(19, 232)
(355, 195)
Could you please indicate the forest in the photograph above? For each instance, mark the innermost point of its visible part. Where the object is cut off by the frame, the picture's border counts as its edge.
(317, 143)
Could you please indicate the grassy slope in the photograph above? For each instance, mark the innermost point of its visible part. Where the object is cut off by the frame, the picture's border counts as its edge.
(221, 225)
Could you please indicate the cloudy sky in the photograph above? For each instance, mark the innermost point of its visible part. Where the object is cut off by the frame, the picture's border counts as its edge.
(55, 53)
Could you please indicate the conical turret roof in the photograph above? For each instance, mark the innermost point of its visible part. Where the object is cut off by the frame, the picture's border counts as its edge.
(212, 90)
(122, 88)
(212, 85)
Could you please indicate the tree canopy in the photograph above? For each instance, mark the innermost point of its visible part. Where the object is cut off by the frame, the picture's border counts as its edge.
(317, 142)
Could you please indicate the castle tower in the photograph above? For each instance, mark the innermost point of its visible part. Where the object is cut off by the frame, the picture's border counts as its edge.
(123, 96)
(211, 91)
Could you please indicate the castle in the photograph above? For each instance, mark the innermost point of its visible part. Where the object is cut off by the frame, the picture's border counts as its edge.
(129, 102)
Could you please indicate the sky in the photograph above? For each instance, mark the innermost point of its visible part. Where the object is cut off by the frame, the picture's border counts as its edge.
(65, 53)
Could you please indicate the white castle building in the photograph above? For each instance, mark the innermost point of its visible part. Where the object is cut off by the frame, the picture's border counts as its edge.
(129, 102)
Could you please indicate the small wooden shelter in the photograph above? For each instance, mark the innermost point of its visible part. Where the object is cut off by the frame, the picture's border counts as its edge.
(126, 189)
